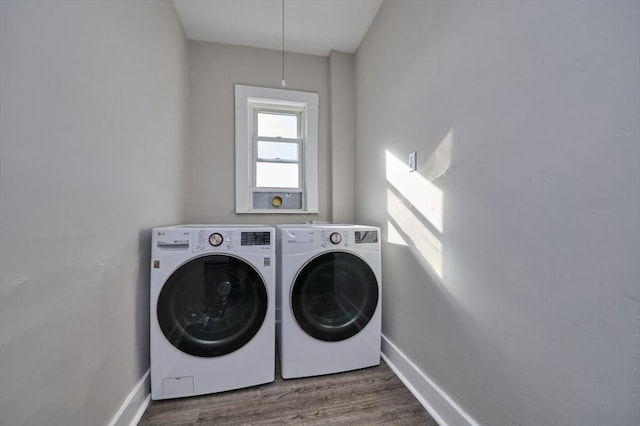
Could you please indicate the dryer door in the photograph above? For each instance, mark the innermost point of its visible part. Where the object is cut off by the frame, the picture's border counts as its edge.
(334, 296)
(212, 305)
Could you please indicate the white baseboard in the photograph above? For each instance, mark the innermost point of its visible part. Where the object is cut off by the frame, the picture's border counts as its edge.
(135, 404)
(441, 406)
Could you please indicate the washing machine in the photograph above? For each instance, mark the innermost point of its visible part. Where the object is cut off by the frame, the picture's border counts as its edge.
(328, 298)
(212, 309)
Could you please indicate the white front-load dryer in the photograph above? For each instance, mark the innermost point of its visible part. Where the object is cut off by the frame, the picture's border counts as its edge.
(329, 298)
(212, 309)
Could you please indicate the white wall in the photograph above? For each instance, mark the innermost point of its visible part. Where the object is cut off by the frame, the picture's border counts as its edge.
(214, 69)
(535, 109)
(92, 151)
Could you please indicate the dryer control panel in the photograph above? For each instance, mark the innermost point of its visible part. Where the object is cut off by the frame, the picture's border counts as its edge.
(332, 238)
(366, 237)
(295, 239)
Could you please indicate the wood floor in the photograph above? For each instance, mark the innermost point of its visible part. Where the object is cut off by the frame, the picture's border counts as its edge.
(372, 396)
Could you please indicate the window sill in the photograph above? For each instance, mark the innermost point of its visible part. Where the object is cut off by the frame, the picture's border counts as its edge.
(278, 211)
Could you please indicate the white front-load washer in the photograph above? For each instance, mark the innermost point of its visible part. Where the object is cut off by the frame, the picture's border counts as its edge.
(212, 309)
(329, 298)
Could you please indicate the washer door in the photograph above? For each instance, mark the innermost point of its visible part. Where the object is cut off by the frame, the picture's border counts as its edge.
(212, 305)
(334, 296)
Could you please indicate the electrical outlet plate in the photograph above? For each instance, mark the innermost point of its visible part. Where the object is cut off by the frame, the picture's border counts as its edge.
(413, 161)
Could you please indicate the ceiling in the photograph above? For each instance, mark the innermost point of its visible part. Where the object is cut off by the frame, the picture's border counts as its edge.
(314, 27)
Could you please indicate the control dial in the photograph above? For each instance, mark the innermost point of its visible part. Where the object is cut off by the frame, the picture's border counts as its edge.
(215, 239)
(335, 238)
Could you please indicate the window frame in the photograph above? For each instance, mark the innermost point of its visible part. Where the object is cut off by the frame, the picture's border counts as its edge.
(249, 100)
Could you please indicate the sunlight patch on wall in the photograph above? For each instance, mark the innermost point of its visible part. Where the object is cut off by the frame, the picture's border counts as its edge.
(393, 235)
(415, 206)
(424, 196)
(411, 229)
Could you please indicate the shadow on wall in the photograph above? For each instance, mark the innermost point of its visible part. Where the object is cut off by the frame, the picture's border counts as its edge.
(415, 206)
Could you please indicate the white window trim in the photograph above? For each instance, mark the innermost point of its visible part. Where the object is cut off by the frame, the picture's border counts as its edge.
(248, 97)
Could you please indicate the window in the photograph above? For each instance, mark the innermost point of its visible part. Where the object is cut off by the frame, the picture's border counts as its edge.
(277, 144)
(276, 150)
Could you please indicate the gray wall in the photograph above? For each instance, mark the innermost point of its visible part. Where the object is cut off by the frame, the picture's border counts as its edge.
(343, 134)
(93, 121)
(535, 109)
(214, 69)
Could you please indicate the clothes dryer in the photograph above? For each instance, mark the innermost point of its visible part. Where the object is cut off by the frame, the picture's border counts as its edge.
(329, 298)
(212, 309)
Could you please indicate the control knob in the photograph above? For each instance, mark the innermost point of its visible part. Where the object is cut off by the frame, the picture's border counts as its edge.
(215, 239)
(335, 238)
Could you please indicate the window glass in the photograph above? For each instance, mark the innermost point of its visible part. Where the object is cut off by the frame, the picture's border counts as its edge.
(277, 151)
(277, 175)
(277, 125)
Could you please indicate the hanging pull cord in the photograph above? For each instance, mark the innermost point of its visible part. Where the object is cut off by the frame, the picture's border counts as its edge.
(284, 83)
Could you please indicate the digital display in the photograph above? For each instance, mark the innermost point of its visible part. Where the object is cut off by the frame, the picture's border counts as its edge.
(255, 239)
(363, 237)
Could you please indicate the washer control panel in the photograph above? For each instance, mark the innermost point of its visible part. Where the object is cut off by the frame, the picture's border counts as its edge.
(169, 241)
(209, 238)
(240, 240)
(255, 238)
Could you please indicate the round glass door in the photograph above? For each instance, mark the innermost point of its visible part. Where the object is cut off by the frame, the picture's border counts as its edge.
(334, 296)
(212, 305)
